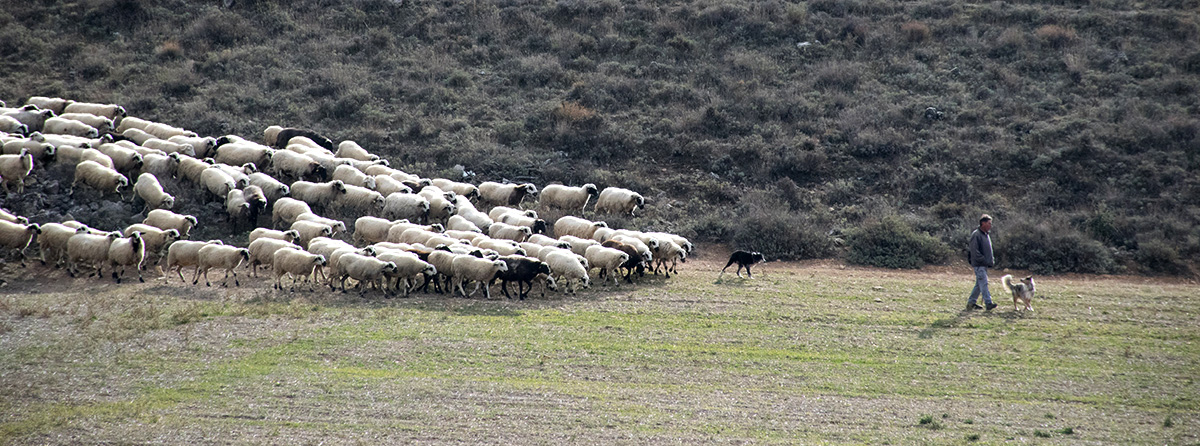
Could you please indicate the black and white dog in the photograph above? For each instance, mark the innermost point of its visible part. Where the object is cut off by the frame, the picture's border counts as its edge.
(743, 259)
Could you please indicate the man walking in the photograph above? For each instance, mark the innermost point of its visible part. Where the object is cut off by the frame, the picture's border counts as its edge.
(979, 254)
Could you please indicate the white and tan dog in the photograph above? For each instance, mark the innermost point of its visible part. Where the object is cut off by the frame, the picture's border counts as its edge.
(1021, 292)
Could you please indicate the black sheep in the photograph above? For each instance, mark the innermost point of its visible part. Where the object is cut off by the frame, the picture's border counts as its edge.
(285, 135)
(521, 270)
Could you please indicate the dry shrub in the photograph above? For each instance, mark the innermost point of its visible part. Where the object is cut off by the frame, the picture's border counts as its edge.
(170, 49)
(915, 32)
(573, 112)
(1055, 35)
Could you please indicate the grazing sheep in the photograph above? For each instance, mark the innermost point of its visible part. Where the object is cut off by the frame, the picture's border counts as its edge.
(154, 239)
(481, 271)
(84, 249)
(465, 189)
(98, 177)
(368, 229)
(286, 210)
(217, 182)
(536, 225)
(16, 236)
(52, 242)
(183, 253)
(505, 194)
(161, 166)
(191, 169)
(262, 252)
(100, 123)
(15, 168)
(220, 256)
(568, 270)
(616, 200)
(411, 207)
(272, 189)
(608, 260)
(202, 146)
(364, 270)
(338, 226)
(360, 201)
(125, 252)
(387, 185)
(167, 146)
(351, 149)
(287, 236)
(321, 195)
(522, 270)
(292, 165)
(110, 111)
(509, 232)
(47, 103)
(151, 191)
(295, 263)
(567, 197)
(237, 154)
(578, 227)
(164, 219)
(309, 230)
(460, 223)
(408, 266)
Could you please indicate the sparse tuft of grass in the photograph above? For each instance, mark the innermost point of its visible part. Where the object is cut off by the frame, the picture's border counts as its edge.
(972, 437)
(1041, 433)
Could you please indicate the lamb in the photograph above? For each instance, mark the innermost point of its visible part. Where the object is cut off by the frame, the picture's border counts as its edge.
(164, 166)
(52, 242)
(191, 168)
(360, 201)
(668, 251)
(16, 236)
(203, 146)
(411, 207)
(351, 149)
(337, 226)
(262, 252)
(164, 219)
(272, 189)
(98, 177)
(309, 230)
(217, 182)
(536, 225)
(110, 111)
(9, 124)
(47, 103)
(183, 253)
(15, 168)
(387, 185)
(100, 123)
(482, 271)
(460, 223)
(289, 164)
(286, 210)
(408, 265)
(368, 229)
(578, 245)
(505, 194)
(499, 212)
(238, 154)
(88, 249)
(154, 239)
(616, 200)
(578, 227)
(608, 260)
(365, 270)
(464, 189)
(167, 146)
(522, 270)
(567, 197)
(321, 195)
(125, 252)
(287, 236)
(151, 191)
(568, 270)
(295, 262)
(510, 232)
(220, 256)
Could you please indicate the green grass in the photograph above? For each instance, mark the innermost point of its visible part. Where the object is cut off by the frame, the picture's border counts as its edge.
(804, 353)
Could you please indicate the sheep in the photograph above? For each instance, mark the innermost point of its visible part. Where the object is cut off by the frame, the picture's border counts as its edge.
(603, 234)
(642, 247)
(443, 260)
(608, 260)
(52, 242)
(40, 151)
(61, 141)
(191, 169)
(440, 208)
(132, 122)
(536, 225)
(183, 253)
(368, 229)
(499, 212)
(352, 176)
(203, 146)
(167, 146)
(262, 252)
(63, 126)
(396, 232)
(464, 189)
(351, 149)
(110, 111)
(272, 189)
(257, 199)
(645, 238)
(97, 156)
(164, 219)
(509, 232)
(12, 218)
(287, 236)
(567, 197)
(138, 136)
(15, 168)
(505, 194)
(460, 223)
(411, 207)
(237, 209)
(164, 166)
(543, 240)
(668, 251)
(408, 265)
(9, 124)
(337, 226)
(387, 185)
(616, 200)
(240, 175)
(481, 271)
(217, 182)
(578, 227)
(33, 118)
(47, 103)
(578, 245)
(479, 219)
(531, 249)
(98, 177)
(100, 123)
(286, 210)
(237, 154)
(284, 136)
(504, 247)
(295, 262)
(360, 201)
(469, 236)
(289, 164)
(636, 260)
(154, 239)
(678, 240)
(321, 195)
(151, 191)
(365, 270)
(309, 230)
(127, 251)
(416, 235)
(165, 131)
(88, 249)
(567, 268)
(222, 256)
(17, 236)
(522, 270)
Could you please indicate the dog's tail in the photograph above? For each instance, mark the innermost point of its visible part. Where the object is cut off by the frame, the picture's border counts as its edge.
(1007, 280)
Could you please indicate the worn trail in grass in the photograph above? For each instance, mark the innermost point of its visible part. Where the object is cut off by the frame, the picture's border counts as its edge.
(808, 352)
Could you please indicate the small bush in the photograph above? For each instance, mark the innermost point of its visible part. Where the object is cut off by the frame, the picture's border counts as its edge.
(838, 75)
(915, 32)
(1055, 35)
(893, 243)
(573, 112)
(1158, 257)
(928, 422)
(765, 224)
(1040, 433)
(1048, 248)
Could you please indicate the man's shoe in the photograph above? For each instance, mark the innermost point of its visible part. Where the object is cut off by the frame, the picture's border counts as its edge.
(990, 306)
(974, 307)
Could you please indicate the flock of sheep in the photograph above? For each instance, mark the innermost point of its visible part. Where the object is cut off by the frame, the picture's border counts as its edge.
(408, 232)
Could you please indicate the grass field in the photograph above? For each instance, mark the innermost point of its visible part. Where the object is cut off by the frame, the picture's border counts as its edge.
(804, 353)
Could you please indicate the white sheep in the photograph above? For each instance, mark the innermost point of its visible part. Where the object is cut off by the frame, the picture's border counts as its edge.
(164, 166)
(52, 242)
(9, 124)
(237, 209)
(578, 227)
(309, 230)
(387, 185)
(237, 154)
(360, 201)
(543, 240)
(509, 232)
(100, 123)
(17, 236)
(415, 235)
(505, 194)
(240, 174)
(84, 249)
(287, 236)
(190, 168)
(164, 219)
(616, 200)
(647, 239)
(481, 271)
(351, 149)
(40, 151)
(125, 252)
(220, 256)
(603, 234)
(12, 218)
(464, 189)
(578, 245)
(460, 223)
(668, 251)
(567, 269)
(396, 232)
(98, 177)
(440, 208)
(286, 209)
(289, 164)
(15, 168)
(321, 195)
(131, 122)
(262, 252)
(154, 239)
(408, 265)
(406, 206)
(138, 136)
(295, 263)
(365, 270)
(203, 146)
(337, 226)
(270, 134)
(677, 239)
(469, 236)
(183, 253)
(504, 247)
(368, 229)
(567, 197)
(476, 217)
(272, 189)
(499, 212)
(217, 182)
(31, 116)
(48, 103)
(166, 131)
(151, 191)
(110, 111)
(63, 126)
(608, 260)
(536, 225)
(97, 156)
(642, 247)
(170, 146)
(352, 176)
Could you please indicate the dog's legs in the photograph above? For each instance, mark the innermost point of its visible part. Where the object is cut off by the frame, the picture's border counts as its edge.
(748, 273)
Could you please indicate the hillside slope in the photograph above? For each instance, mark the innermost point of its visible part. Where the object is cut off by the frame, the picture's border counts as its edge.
(787, 127)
